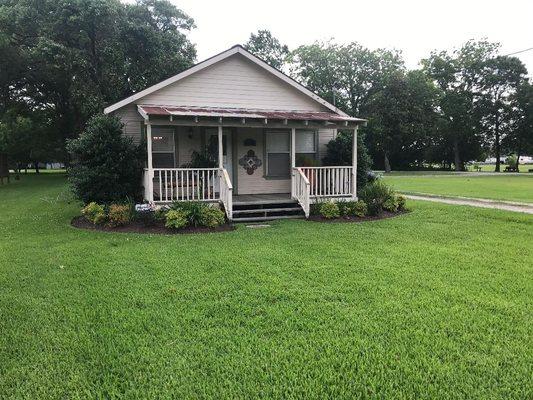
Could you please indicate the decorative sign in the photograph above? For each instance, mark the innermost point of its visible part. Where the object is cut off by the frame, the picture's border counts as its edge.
(250, 162)
(250, 142)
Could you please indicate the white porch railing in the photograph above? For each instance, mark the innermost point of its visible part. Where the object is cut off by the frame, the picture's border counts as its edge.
(190, 184)
(185, 184)
(226, 192)
(301, 190)
(329, 181)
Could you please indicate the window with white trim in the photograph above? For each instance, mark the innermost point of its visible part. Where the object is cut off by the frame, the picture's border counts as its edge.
(278, 155)
(163, 147)
(306, 147)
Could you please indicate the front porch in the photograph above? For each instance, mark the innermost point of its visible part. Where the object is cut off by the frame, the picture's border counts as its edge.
(254, 160)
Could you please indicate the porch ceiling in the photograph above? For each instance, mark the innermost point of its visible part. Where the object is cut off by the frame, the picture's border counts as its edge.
(188, 111)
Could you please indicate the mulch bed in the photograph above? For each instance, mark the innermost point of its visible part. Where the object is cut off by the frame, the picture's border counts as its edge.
(383, 215)
(156, 227)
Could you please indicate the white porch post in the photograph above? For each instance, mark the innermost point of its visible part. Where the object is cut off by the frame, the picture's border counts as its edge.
(293, 159)
(220, 148)
(354, 164)
(150, 180)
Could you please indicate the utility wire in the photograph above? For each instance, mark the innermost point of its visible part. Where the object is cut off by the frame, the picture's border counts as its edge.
(518, 52)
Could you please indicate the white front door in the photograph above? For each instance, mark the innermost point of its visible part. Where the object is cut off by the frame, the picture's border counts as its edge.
(212, 139)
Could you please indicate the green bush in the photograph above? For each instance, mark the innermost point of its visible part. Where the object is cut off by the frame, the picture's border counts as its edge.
(161, 214)
(401, 202)
(212, 217)
(176, 219)
(107, 166)
(391, 204)
(119, 214)
(329, 210)
(375, 195)
(353, 208)
(94, 213)
(314, 208)
(192, 209)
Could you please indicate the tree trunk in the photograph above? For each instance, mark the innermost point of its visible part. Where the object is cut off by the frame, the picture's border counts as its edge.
(456, 155)
(387, 163)
(36, 164)
(497, 144)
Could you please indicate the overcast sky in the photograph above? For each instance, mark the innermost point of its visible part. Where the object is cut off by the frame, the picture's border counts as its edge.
(414, 26)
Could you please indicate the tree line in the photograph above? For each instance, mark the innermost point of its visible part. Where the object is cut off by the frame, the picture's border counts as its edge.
(63, 61)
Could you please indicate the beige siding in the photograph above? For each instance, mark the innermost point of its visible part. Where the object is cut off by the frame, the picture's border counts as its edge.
(233, 82)
(256, 183)
(324, 136)
(132, 121)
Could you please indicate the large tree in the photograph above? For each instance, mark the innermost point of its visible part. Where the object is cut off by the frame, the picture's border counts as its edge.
(265, 46)
(500, 79)
(459, 74)
(70, 58)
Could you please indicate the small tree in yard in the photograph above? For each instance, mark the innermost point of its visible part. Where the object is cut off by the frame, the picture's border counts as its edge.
(107, 166)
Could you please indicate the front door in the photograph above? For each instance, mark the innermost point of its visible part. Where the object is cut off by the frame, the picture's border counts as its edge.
(212, 139)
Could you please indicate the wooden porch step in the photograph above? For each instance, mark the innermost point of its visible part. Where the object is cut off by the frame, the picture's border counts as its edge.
(258, 219)
(263, 202)
(266, 210)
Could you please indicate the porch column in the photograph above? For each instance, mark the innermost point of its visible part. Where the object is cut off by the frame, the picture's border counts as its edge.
(293, 159)
(354, 164)
(220, 148)
(150, 179)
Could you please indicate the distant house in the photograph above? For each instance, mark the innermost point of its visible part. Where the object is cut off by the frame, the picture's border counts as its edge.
(267, 131)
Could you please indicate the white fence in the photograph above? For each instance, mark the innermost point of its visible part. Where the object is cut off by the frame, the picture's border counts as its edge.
(183, 184)
(329, 181)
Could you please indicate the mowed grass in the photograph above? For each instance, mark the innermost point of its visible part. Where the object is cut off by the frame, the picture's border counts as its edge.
(497, 187)
(433, 304)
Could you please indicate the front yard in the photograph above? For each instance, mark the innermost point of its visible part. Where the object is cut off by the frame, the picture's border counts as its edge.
(496, 187)
(432, 304)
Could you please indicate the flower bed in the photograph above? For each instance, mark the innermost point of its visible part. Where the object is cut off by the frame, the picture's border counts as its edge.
(183, 217)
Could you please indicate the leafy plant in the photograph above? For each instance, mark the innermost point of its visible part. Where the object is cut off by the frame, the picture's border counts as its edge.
(107, 167)
(94, 213)
(119, 214)
(160, 214)
(401, 202)
(212, 217)
(329, 210)
(192, 209)
(176, 219)
(352, 208)
(375, 195)
(391, 204)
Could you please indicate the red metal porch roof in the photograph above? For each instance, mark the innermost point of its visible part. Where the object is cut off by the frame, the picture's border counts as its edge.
(245, 113)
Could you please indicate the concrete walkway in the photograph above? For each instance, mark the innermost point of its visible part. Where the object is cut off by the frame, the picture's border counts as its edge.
(467, 201)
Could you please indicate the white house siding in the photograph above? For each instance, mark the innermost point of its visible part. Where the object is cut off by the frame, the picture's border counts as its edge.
(132, 121)
(233, 82)
(256, 183)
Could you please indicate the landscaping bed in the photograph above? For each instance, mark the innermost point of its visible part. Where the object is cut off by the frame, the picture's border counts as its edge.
(157, 227)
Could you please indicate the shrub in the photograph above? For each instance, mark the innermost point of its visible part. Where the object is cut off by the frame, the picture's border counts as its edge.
(329, 210)
(391, 204)
(375, 195)
(176, 219)
(161, 214)
(146, 217)
(107, 167)
(212, 217)
(192, 209)
(339, 152)
(314, 208)
(119, 214)
(355, 209)
(401, 202)
(94, 213)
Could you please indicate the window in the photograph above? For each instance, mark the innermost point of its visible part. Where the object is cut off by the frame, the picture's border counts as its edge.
(306, 148)
(277, 153)
(163, 148)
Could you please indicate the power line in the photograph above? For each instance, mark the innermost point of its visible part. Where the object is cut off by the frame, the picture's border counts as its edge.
(518, 52)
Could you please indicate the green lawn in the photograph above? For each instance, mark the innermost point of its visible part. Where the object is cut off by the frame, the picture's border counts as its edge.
(433, 304)
(500, 187)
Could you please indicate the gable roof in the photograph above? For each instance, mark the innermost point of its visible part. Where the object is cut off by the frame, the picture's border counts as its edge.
(237, 49)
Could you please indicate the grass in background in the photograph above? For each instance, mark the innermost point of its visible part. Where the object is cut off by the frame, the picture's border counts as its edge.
(498, 187)
(432, 304)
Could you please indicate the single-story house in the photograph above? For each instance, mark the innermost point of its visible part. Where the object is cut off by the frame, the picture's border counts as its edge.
(265, 131)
